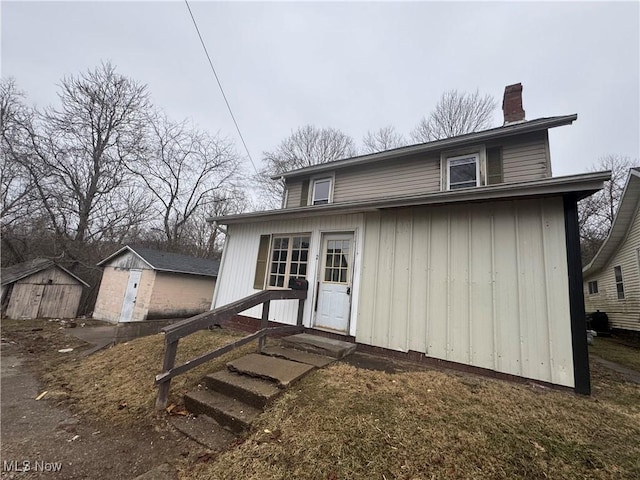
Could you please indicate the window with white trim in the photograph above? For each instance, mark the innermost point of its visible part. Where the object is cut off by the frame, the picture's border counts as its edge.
(617, 271)
(289, 259)
(463, 171)
(593, 287)
(321, 194)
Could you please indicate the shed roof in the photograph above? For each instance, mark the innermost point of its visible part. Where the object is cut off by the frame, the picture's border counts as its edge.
(627, 212)
(22, 270)
(504, 131)
(170, 262)
(581, 185)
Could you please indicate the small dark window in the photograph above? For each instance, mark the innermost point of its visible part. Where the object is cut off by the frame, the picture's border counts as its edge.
(619, 283)
(593, 287)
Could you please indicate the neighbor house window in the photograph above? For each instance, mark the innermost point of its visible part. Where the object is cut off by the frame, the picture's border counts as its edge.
(289, 258)
(321, 191)
(619, 284)
(463, 171)
(593, 287)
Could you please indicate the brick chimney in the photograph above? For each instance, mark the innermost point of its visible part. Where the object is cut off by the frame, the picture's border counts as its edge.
(512, 104)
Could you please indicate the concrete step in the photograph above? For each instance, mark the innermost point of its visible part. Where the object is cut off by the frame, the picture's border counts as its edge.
(319, 345)
(253, 391)
(228, 412)
(282, 372)
(204, 430)
(299, 356)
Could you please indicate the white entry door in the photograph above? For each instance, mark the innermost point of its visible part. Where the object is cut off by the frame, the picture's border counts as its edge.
(334, 282)
(130, 295)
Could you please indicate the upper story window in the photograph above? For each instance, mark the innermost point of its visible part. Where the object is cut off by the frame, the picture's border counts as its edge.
(463, 171)
(472, 167)
(321, 192)
(617, 271)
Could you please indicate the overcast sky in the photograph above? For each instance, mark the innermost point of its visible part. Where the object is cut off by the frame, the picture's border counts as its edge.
(352, 66)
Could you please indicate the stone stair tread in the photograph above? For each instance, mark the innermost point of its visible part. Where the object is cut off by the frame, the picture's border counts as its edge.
(319, 345)
(204, 430)
(256, 392)
(227, 411)
(299, 356)
(283, 372)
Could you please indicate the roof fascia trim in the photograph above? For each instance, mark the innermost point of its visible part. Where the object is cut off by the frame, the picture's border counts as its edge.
(126, 247)
(443, 144)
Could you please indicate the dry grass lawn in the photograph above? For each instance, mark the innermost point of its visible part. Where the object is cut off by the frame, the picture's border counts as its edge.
(614, 351)
(344, 422)
(348, 423)
(101, 384)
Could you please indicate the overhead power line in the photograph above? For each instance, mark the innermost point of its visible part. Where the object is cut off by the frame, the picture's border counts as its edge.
(195, 24)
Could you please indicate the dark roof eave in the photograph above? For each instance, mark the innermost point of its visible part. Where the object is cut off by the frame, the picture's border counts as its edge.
(583, 184)
(446, 143)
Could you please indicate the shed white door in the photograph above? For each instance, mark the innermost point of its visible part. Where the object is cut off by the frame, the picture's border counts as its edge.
(130, 295)
(334, 290)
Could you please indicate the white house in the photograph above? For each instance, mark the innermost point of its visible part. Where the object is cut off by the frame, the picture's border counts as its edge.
(463, 251)
(612, 278)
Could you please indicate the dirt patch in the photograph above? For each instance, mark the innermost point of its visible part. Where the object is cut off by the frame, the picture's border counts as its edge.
(97, 419)
(47, 440)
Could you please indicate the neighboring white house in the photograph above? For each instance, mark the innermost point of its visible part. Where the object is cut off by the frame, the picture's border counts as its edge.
(463, 250)
(144, 284)
(612, 278)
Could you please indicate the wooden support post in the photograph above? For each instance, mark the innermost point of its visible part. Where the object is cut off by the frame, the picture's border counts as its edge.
(168, 363)
(264, 323)
(300, 311)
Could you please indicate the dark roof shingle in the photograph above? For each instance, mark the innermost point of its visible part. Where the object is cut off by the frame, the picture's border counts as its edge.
(171, 262)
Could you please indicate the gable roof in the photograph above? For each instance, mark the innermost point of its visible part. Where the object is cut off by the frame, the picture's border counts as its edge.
(169, 262)
(25, 269)
(627, 212)
(446, 143)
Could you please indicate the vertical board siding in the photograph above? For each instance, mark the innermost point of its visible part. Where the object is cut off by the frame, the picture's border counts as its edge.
(624, 314)
(484, 285)
(49, 293)
(241, 250)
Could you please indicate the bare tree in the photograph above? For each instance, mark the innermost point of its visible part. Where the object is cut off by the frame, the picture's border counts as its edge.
(307, 146)
(456, 114)
(383, 139)
(206, 239)
(79, 152)
(186, 172)
(15, 183)
(597, 212)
